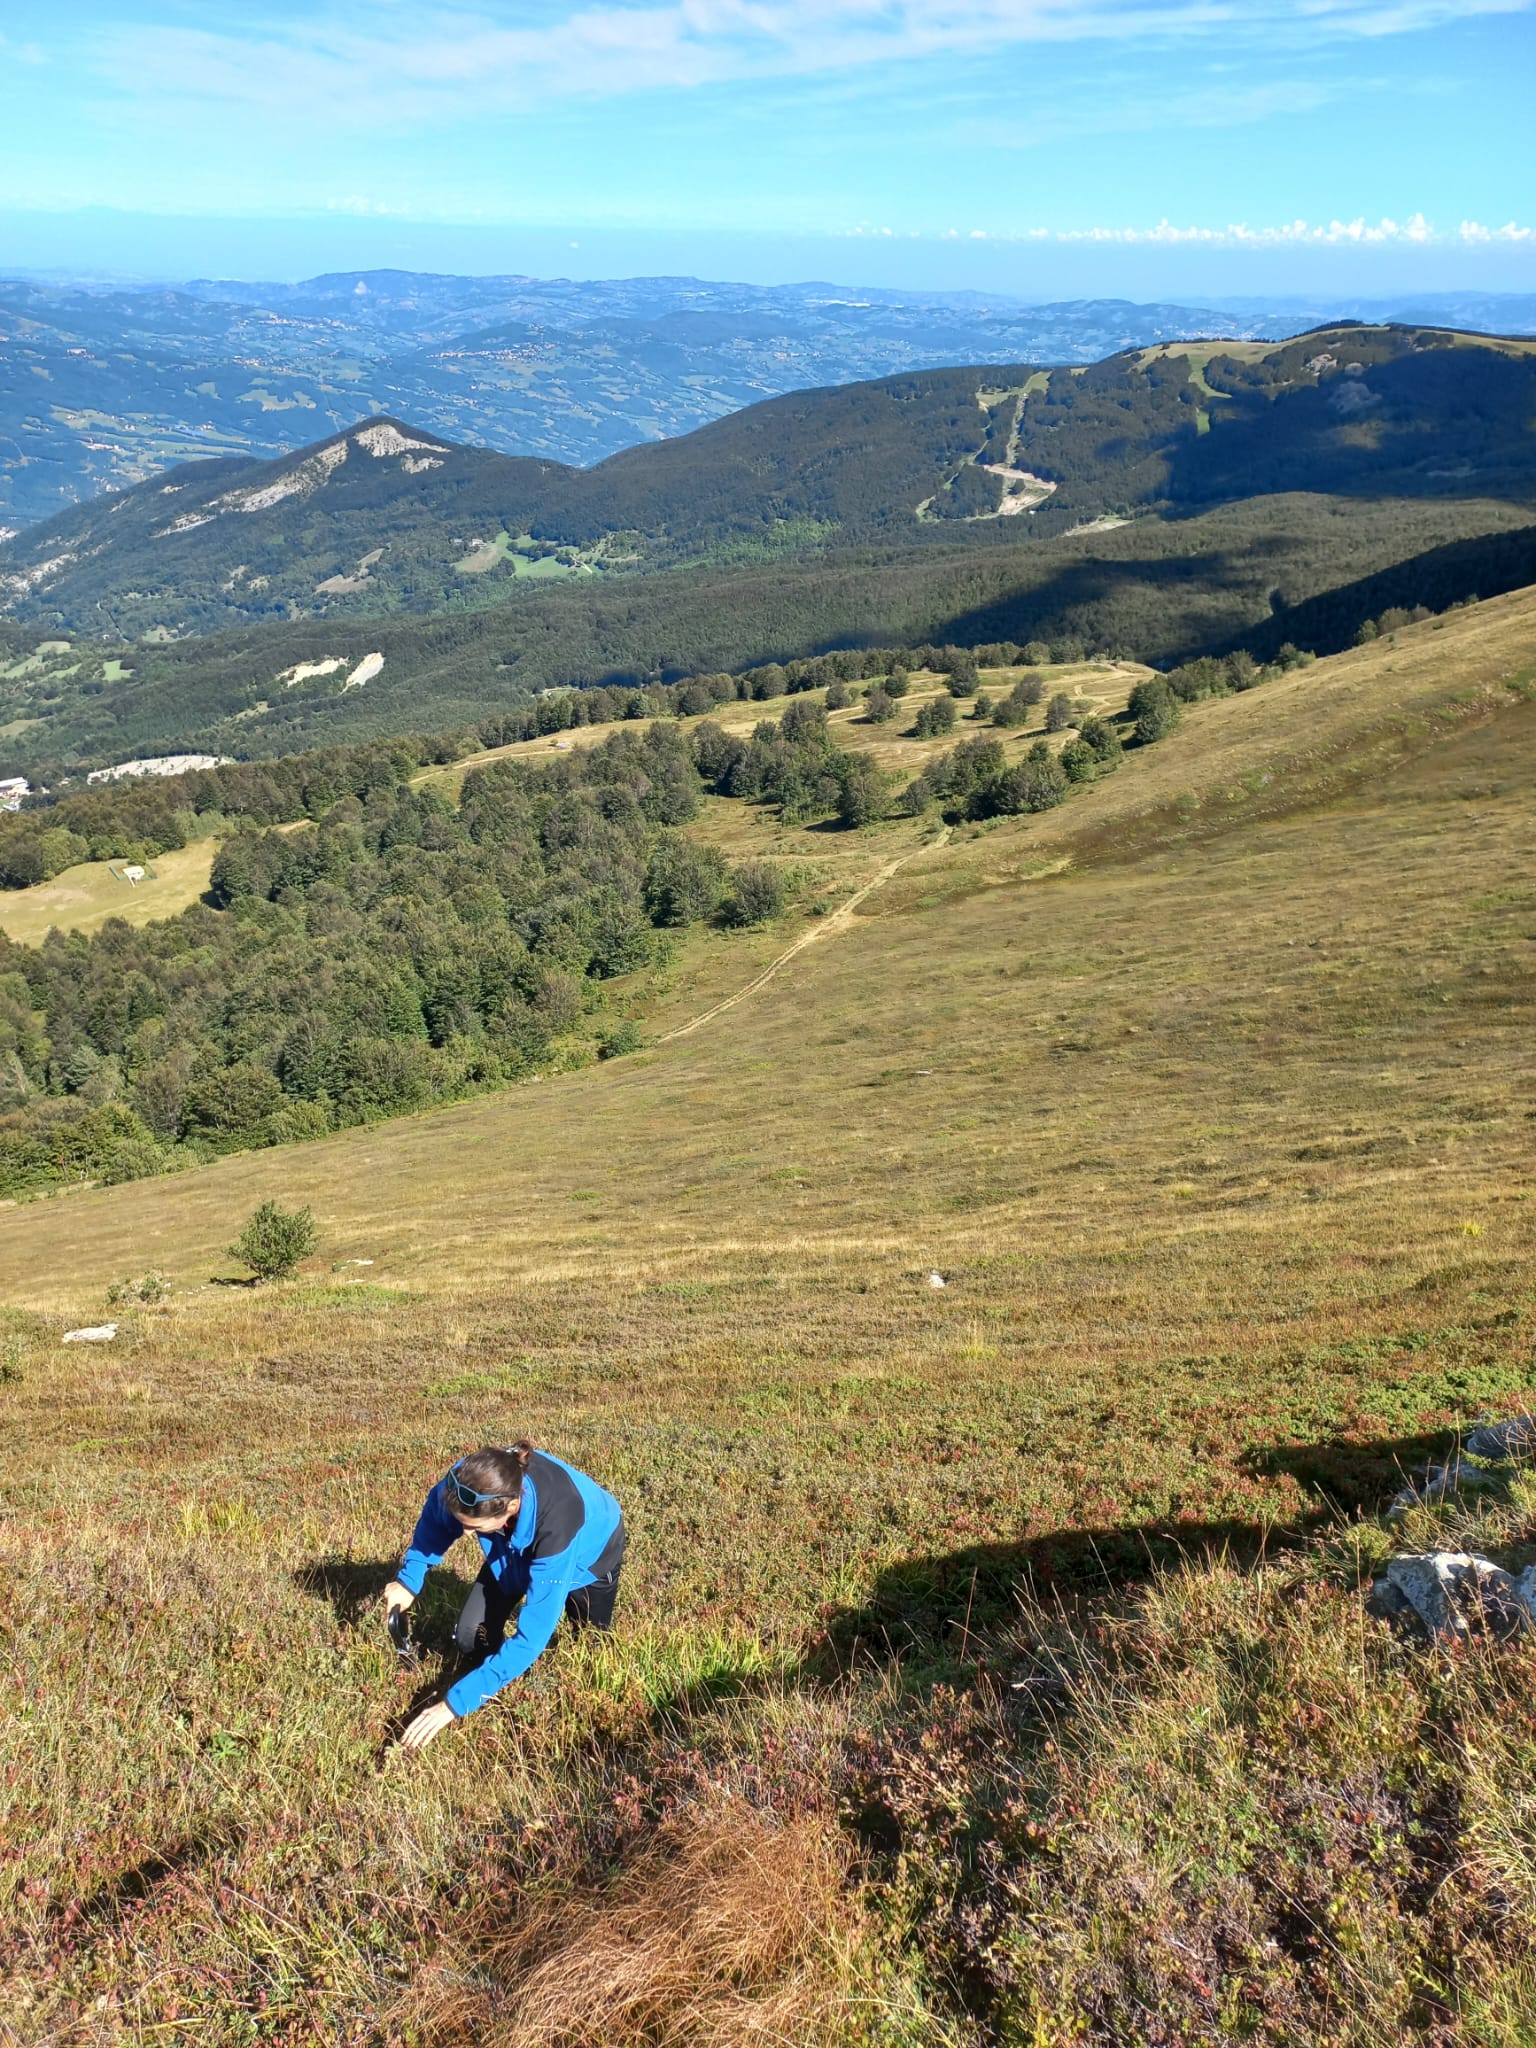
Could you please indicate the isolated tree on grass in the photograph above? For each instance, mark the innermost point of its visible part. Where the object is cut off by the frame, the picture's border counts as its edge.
(274, 1240)
(1058, 713)
(879, 706)
(964, 676)
(757, 893)
(897, 683)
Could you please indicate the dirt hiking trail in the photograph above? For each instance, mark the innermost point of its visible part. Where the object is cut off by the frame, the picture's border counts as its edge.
(835, 921)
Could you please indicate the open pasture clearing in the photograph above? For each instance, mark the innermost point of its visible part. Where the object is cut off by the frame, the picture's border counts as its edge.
(1219, 1138)
(82, 898)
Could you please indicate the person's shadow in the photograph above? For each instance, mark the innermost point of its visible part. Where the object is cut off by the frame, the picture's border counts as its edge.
(929, 1615)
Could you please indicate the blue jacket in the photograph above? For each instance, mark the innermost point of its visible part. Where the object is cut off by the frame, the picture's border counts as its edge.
(565, 1525)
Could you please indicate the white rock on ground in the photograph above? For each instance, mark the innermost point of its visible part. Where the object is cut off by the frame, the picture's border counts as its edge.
(1454, 1593)
(937, 1280)
(103, 1333)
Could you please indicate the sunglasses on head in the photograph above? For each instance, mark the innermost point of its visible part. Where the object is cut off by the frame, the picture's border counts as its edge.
(466, 1496)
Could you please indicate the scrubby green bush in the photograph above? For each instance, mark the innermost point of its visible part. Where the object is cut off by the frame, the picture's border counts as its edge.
(1155, 709)
(621, 1037)
(757, 893)
(275, 1240)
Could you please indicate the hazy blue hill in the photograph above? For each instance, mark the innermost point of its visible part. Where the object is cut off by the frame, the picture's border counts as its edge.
(104, 386)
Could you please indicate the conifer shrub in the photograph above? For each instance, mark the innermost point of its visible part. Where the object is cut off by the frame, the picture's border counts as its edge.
(275, 1240)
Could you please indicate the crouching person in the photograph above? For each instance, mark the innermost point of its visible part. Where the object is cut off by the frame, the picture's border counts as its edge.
(553, 1541)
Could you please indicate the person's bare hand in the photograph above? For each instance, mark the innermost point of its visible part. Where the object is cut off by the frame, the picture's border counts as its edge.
(428, 1724)
(397, 1599)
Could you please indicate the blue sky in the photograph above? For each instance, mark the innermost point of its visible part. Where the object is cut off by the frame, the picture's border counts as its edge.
(1033, 146)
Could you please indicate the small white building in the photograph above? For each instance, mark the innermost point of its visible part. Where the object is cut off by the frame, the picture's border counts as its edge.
(12, 789)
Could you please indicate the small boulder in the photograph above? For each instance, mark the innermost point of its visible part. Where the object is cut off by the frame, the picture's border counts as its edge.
(937, 1280)
(1453, 1594)
(1436, 1482)
(103, 1333)
(1504, 1443)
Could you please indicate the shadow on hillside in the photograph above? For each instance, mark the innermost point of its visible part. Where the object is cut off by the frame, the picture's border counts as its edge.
(1347, 1477)
(352, 1587)
(945, 1606)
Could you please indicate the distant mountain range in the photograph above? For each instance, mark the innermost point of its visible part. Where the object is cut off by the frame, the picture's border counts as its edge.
(386, 517)
(104, 386)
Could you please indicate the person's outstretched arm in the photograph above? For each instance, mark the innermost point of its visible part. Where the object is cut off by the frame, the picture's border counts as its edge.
(550, 1580)
(436, 1533)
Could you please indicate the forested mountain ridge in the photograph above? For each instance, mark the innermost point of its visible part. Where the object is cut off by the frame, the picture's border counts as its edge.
(1255, 574)
(103, 387)
(384, 517)
(935, 457)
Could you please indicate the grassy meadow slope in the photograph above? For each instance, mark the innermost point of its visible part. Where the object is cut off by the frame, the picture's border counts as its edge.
(1208, 1097)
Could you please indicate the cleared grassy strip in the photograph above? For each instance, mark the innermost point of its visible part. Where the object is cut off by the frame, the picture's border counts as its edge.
(81, 899)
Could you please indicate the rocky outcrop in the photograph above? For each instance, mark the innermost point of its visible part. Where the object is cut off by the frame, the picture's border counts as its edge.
(1452, 1594)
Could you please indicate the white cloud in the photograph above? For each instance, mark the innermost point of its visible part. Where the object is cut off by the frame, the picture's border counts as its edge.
(1474, 233)
(374, 61)
(1414, 232)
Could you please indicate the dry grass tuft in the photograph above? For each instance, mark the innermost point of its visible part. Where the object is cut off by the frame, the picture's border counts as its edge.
(726, 1931)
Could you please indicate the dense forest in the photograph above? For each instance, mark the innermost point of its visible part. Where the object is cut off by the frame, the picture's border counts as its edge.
(1162, 591)
(393, 953)
(366, 948)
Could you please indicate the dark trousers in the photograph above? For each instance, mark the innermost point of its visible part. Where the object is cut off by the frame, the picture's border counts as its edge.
(484, 1616)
